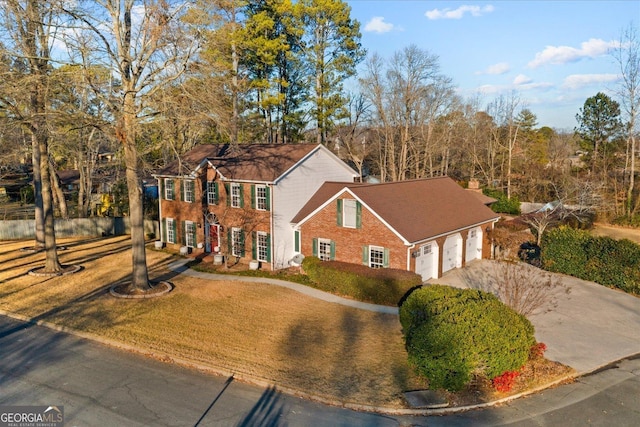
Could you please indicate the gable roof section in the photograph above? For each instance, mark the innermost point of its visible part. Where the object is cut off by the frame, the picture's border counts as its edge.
(416, 209)
(244, 162)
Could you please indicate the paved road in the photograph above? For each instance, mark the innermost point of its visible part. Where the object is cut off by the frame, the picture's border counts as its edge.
(101, 386)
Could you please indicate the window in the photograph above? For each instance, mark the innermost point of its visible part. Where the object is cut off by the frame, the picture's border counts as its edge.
(262, 250)
(426, 249)
(189, 234)
(349, 213)
(236, 195)
(170, 227)
(237, 242)
(212, 193)
(324, 249)
(169, 190)
(260, 197)
(376, 257)
(188, 190)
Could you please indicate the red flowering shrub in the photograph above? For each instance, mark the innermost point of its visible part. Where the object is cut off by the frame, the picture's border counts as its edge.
(504, 382)
(537, 350)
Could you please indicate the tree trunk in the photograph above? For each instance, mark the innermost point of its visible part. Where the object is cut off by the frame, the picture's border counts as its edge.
(37, 191)
(51, 264)
(58, 193)
(139, 275)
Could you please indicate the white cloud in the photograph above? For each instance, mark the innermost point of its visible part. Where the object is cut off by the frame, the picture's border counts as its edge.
(459, 12)
(521, 79)
(563, 54)
(499, 68)
(377, 25)
(577, 81)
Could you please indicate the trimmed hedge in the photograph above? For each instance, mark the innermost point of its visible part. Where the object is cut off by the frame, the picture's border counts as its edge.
(452, 334)
(379, 286)
(603, 260)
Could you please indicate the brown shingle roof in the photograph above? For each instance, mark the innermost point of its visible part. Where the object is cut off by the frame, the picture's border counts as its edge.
(417, 209)
(250, 162)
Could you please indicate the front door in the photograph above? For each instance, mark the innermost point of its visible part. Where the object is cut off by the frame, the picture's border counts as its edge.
(212, 238)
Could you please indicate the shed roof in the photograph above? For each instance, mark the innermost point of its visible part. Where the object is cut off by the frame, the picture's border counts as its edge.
(416, 209)
(250, 162)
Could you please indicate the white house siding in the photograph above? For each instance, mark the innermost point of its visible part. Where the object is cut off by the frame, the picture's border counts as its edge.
(292, 192)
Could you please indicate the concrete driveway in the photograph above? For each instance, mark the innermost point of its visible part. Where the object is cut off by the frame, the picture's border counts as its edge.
(587, 328)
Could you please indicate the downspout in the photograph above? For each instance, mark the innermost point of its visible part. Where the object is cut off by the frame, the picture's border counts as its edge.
(409, 250)
(271, 230)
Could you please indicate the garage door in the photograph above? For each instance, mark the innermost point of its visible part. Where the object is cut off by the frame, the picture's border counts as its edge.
(452, 253)
(427, 261)
(474, 244)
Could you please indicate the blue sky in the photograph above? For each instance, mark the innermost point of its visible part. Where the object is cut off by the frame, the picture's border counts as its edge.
(553, 54)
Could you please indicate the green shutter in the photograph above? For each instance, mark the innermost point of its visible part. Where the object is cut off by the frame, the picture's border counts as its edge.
(358, 215)
(216, 193)
(365, 255)
(268, 247)
(182, 190)
(161, 188)
(241, 195)
(183, 225)
(267, 192)
(227, 189)
(339, 212)
(229, 242)
(332, 249)
(175, 231)
(164, 230)
(385, 258)
(315, 247)
(253, 196)
(296, 241)
(254, 245)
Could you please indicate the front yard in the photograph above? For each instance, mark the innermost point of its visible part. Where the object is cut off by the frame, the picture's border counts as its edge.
(256, 331)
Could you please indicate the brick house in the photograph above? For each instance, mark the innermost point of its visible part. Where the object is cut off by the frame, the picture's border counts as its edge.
(429, 226)
(238, 201)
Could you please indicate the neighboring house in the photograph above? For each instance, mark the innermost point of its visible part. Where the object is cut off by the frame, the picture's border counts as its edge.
(239, 200)
(429, 226)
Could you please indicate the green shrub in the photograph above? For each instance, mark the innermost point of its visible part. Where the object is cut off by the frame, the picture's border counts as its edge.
(602, 260)
(510, 206)
(452, 334)
(379, 286)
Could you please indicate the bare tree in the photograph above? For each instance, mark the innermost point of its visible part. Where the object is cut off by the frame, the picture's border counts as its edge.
(627, 56)
(145, 46)
(30, 26)
(525, 288)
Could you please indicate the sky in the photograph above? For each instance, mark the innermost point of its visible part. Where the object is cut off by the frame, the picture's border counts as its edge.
(552, 54)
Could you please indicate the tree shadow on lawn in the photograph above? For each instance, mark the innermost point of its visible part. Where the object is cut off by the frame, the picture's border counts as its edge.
(347, 359)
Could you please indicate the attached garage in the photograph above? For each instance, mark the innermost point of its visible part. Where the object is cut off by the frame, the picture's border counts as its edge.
(474, 245)
(427, 261)
(452, 253)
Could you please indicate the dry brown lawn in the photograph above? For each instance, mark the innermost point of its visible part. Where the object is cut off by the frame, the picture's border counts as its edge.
(256, 331)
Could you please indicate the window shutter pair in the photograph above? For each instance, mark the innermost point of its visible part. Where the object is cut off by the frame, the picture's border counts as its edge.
(254, 193)
(340, 213)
